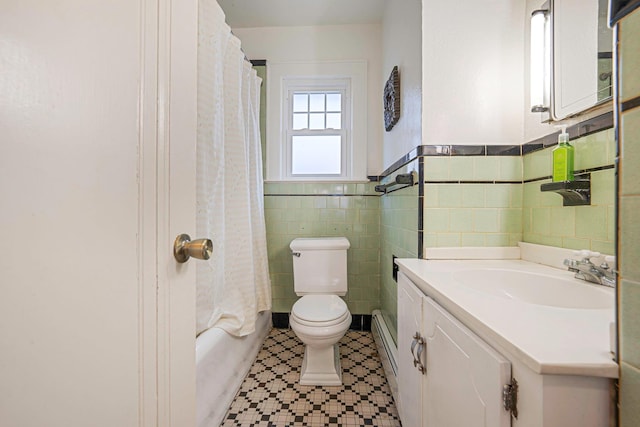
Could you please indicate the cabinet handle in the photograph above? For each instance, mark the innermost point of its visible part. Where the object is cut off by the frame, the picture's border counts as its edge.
(418, 341)
(416, 337)
(421, 347)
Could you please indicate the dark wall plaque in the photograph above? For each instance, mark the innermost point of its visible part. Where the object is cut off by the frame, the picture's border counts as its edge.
(391, 100)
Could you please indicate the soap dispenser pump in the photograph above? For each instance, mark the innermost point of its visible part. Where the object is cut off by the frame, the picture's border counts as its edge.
(563, 158)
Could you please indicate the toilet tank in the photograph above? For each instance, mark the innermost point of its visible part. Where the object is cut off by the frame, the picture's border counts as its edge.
(320, 265)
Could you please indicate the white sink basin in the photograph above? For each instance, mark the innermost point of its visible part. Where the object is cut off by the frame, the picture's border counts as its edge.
(539, 289)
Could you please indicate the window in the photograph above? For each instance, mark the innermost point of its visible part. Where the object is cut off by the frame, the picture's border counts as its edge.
(317, 128)
(316, 121)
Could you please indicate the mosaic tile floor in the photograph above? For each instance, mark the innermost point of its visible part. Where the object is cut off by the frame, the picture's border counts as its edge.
(271, 396)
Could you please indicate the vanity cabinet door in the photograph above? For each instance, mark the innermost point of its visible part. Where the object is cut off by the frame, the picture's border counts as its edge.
(464, 378)
(410, 401)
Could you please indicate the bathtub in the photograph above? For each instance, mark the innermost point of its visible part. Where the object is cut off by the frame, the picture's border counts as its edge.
(222, 361)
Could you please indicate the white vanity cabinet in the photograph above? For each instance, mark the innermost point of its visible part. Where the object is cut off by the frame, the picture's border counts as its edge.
(447, 375)
(480, 354)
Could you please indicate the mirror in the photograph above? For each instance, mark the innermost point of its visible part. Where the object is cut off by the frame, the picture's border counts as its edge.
(582, 56)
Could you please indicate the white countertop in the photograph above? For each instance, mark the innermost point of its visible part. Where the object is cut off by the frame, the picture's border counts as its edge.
(547, 339)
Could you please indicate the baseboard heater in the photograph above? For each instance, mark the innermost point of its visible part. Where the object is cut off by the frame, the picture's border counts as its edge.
(387, 350)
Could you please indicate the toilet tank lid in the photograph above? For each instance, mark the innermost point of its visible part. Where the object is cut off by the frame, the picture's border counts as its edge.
(319, 243)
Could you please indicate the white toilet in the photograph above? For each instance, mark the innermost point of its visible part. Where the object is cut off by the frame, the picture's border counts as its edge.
(320, 317)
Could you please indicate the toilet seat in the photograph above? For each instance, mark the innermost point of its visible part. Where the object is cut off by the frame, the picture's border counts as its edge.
(320, 310)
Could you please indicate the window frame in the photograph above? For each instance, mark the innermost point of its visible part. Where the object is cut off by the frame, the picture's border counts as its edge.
(277, 73)
(317, 85)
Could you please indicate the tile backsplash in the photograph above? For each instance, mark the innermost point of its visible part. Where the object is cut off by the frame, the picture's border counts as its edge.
(545, 221)
(496, 200)
(472, 214)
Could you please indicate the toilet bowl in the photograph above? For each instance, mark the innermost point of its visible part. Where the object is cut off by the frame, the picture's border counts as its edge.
(320, 321)
(320, 317)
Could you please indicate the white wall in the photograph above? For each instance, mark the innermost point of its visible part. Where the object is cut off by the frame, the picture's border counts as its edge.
(462, 70)
(328, 43)
(473, 72)
(402, 46)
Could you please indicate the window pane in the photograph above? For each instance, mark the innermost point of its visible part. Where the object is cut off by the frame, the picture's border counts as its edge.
(333, 120)
(300, 121)
(334, 102)
(300, 102)
(316, 155)
(316, 102)
(316, 121)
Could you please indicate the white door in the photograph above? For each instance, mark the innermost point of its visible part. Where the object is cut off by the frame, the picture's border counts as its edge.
(465, 376)
(97, 143)
(410, 379)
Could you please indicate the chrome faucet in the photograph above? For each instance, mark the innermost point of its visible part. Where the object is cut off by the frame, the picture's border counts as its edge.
(603, 274)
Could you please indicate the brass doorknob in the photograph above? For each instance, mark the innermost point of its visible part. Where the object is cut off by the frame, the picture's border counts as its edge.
(184, 248)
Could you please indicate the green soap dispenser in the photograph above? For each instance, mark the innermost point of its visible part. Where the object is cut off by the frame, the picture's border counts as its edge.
(563, 158)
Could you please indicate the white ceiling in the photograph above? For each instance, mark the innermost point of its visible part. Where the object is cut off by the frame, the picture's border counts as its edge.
(277, 13)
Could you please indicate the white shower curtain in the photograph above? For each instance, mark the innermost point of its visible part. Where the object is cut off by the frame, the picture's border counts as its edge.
(233, 286)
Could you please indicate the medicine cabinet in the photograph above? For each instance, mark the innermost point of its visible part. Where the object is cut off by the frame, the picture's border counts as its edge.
(581, 56)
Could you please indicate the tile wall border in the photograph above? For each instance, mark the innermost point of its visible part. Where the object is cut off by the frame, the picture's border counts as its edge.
(630, 104)
(579, 130)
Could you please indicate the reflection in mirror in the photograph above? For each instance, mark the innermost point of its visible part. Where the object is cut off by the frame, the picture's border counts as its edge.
(605, 47)
(582, 63)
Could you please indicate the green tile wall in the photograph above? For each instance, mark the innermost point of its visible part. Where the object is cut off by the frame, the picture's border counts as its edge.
(473, 168)
(399, 236)
(629, 57)
(472, 213)
(545, 221)
(629, 214)
(319, 210)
